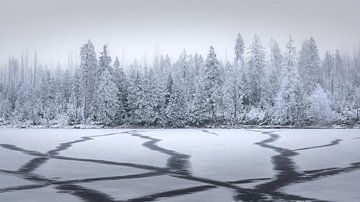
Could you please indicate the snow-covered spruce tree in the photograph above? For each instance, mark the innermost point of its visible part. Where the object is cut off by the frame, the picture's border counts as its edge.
(88, 66)
(47, 96)
(135, 98)
(21, 111)
(239, 51)
(200, 111)
(106, 101)
(274, 73)
(319, 110)
(8, 104)
(104, 63)
(328, 69)
(309, 66)
(75, 102)
(211, 90)
(65, 90)
(233, 83)
(175, 106)
(341, 89)
(152, 97)
(289, 108)
(184, 76)
(256, 72)
(120, 81)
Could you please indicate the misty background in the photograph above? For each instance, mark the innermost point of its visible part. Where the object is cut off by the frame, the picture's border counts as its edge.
(142, 28)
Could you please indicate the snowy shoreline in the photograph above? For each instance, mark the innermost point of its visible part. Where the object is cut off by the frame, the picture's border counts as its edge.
(81, 126)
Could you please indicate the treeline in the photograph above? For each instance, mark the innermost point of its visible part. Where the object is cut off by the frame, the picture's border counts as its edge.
(259, 87)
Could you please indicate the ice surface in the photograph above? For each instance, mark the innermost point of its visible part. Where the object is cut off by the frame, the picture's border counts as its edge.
(119, 148)
(138, 188)
(339, 155)
(212, 195)
(11, 181)
(179, 164)
(12, 160)
(43, 140)
(37, 195)
(340, 188)
(215, 153)
(70, 170)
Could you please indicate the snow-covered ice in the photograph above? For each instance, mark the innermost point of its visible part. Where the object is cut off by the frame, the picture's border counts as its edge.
(173, 165)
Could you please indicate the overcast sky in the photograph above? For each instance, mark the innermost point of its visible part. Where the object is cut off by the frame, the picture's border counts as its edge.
(139, 28)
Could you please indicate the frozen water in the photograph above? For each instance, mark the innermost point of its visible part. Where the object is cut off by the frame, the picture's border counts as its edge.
(179, 165)
(341, 188)
(121, 148)
(37, 195)
(138, 188)
(70, 170)
(215, 153)
(43, 140)
(12, 181)
(344, 153)
(12, 160)
(213, 195)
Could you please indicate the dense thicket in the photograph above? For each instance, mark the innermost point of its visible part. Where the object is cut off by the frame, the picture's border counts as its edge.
(262, 87)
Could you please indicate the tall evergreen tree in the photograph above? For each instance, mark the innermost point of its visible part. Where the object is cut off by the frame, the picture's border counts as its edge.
(121, 83)
(213, 85)
(289, 104)
(309, 65)
(106, 102)
(256, 71)
(88, 66)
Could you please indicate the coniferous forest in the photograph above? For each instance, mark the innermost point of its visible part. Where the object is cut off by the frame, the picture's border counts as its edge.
(277, 86)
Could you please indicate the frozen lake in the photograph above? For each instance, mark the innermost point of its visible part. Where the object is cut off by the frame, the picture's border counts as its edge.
(173, 165)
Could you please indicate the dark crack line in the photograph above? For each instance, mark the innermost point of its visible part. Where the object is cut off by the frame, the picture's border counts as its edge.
(22, 187)
(105, 162)
(334, 142)
(15, 148)
(33, 164)
(249, 180)
(329, 172)
(210, 132)
(111, 178)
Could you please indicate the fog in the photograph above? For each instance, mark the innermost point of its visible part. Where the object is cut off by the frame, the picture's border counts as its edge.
(142, 28)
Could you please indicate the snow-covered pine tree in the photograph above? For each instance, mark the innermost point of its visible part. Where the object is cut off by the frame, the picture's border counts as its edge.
(289, 104)
(107, 101)
(135, 99)
(239, 51)
(256, 71)
(309, 66)
(75, 102)
(234, 84)
(275, 69)
(88, 66)
(120, 81)
(104, 63)
(212, 86)
(47, 96)
(152, 98)
(175, 106)
(328, 69)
